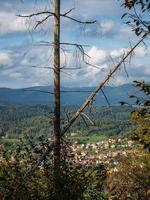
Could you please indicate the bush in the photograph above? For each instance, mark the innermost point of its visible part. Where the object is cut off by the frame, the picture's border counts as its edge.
(77, 182)
(132, 178)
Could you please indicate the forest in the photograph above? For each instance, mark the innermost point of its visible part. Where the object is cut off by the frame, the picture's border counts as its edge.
(74, 100)
(102, 157)
(18, 121)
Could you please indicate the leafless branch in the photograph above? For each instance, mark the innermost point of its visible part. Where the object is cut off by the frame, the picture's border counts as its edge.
(125, 69)
(90, 64)
(69, 11)
(88, 118)
(43, 67)
(87, 102)
(62, 71)
(67, 115)
(112, 59)
(99, 87)
(84, 120)
(42, 21)
(49, 14)
(106, 97)
(63, 43)
(62, 91)
(79, 21)
(36, 14)
(42, 91)
(78, 46)
(74, 44)
(70, 68)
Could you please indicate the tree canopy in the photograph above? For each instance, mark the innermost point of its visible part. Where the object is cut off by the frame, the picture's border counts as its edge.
(141, 116)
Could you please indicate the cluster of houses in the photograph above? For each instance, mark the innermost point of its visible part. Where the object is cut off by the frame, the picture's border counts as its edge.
(108, 152)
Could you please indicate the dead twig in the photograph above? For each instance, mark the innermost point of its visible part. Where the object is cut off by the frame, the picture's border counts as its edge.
(50, 14)
(88, 101)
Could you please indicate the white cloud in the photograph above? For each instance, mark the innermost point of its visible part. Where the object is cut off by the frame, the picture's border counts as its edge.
(97, 55)
(119, 80)
(10, 23)
(118, 52)
(106, 26)
(143, 69)
(141, 51)
(4, 59)
(125, 31)
(109, 29)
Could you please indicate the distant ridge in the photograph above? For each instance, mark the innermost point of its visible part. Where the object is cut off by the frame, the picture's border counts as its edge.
(69, 96)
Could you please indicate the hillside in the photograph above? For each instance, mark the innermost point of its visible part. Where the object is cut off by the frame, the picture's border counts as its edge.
(33, 121)
(70, 96)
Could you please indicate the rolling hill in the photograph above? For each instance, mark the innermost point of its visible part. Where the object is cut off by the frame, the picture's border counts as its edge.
(69, 96)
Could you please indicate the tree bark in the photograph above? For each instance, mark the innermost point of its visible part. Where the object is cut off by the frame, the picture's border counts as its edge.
(57, 129)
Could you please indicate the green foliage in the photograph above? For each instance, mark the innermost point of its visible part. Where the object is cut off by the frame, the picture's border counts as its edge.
(144, 4)
(88, 139)
(132, 178)
(77, 182)
(138, 15)
(141, 116)
(34, 122)
(18, 121)
(14, 184)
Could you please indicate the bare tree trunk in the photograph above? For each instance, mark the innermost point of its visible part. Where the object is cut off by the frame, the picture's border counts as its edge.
(57, 131)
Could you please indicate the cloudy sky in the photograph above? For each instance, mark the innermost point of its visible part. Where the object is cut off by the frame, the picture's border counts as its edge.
(23, 57)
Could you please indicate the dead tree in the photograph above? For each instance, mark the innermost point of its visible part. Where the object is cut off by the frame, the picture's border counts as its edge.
(58, 133)
(79, 112)
(56, 68)
(57, 129)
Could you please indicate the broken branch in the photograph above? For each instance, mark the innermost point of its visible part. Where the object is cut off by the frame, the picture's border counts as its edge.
(88, 101)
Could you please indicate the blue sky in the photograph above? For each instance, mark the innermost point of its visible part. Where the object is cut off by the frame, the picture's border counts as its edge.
(108, 38)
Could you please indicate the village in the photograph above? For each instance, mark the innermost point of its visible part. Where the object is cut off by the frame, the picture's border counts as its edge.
(108, 152)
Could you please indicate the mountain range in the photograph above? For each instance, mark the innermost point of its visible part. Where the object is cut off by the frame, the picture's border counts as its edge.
(69, 95)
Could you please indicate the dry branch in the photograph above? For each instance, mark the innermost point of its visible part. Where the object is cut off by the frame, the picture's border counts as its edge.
(82, 116)
(42, 21)
(88, 118)
(88, 101)
(42, 91)
(50, 14)
(99, 87)
(106, 98)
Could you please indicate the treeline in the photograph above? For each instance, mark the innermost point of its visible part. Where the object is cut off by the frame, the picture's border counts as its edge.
(34, 121)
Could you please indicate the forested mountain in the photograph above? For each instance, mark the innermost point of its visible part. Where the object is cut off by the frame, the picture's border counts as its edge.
(70, 96)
